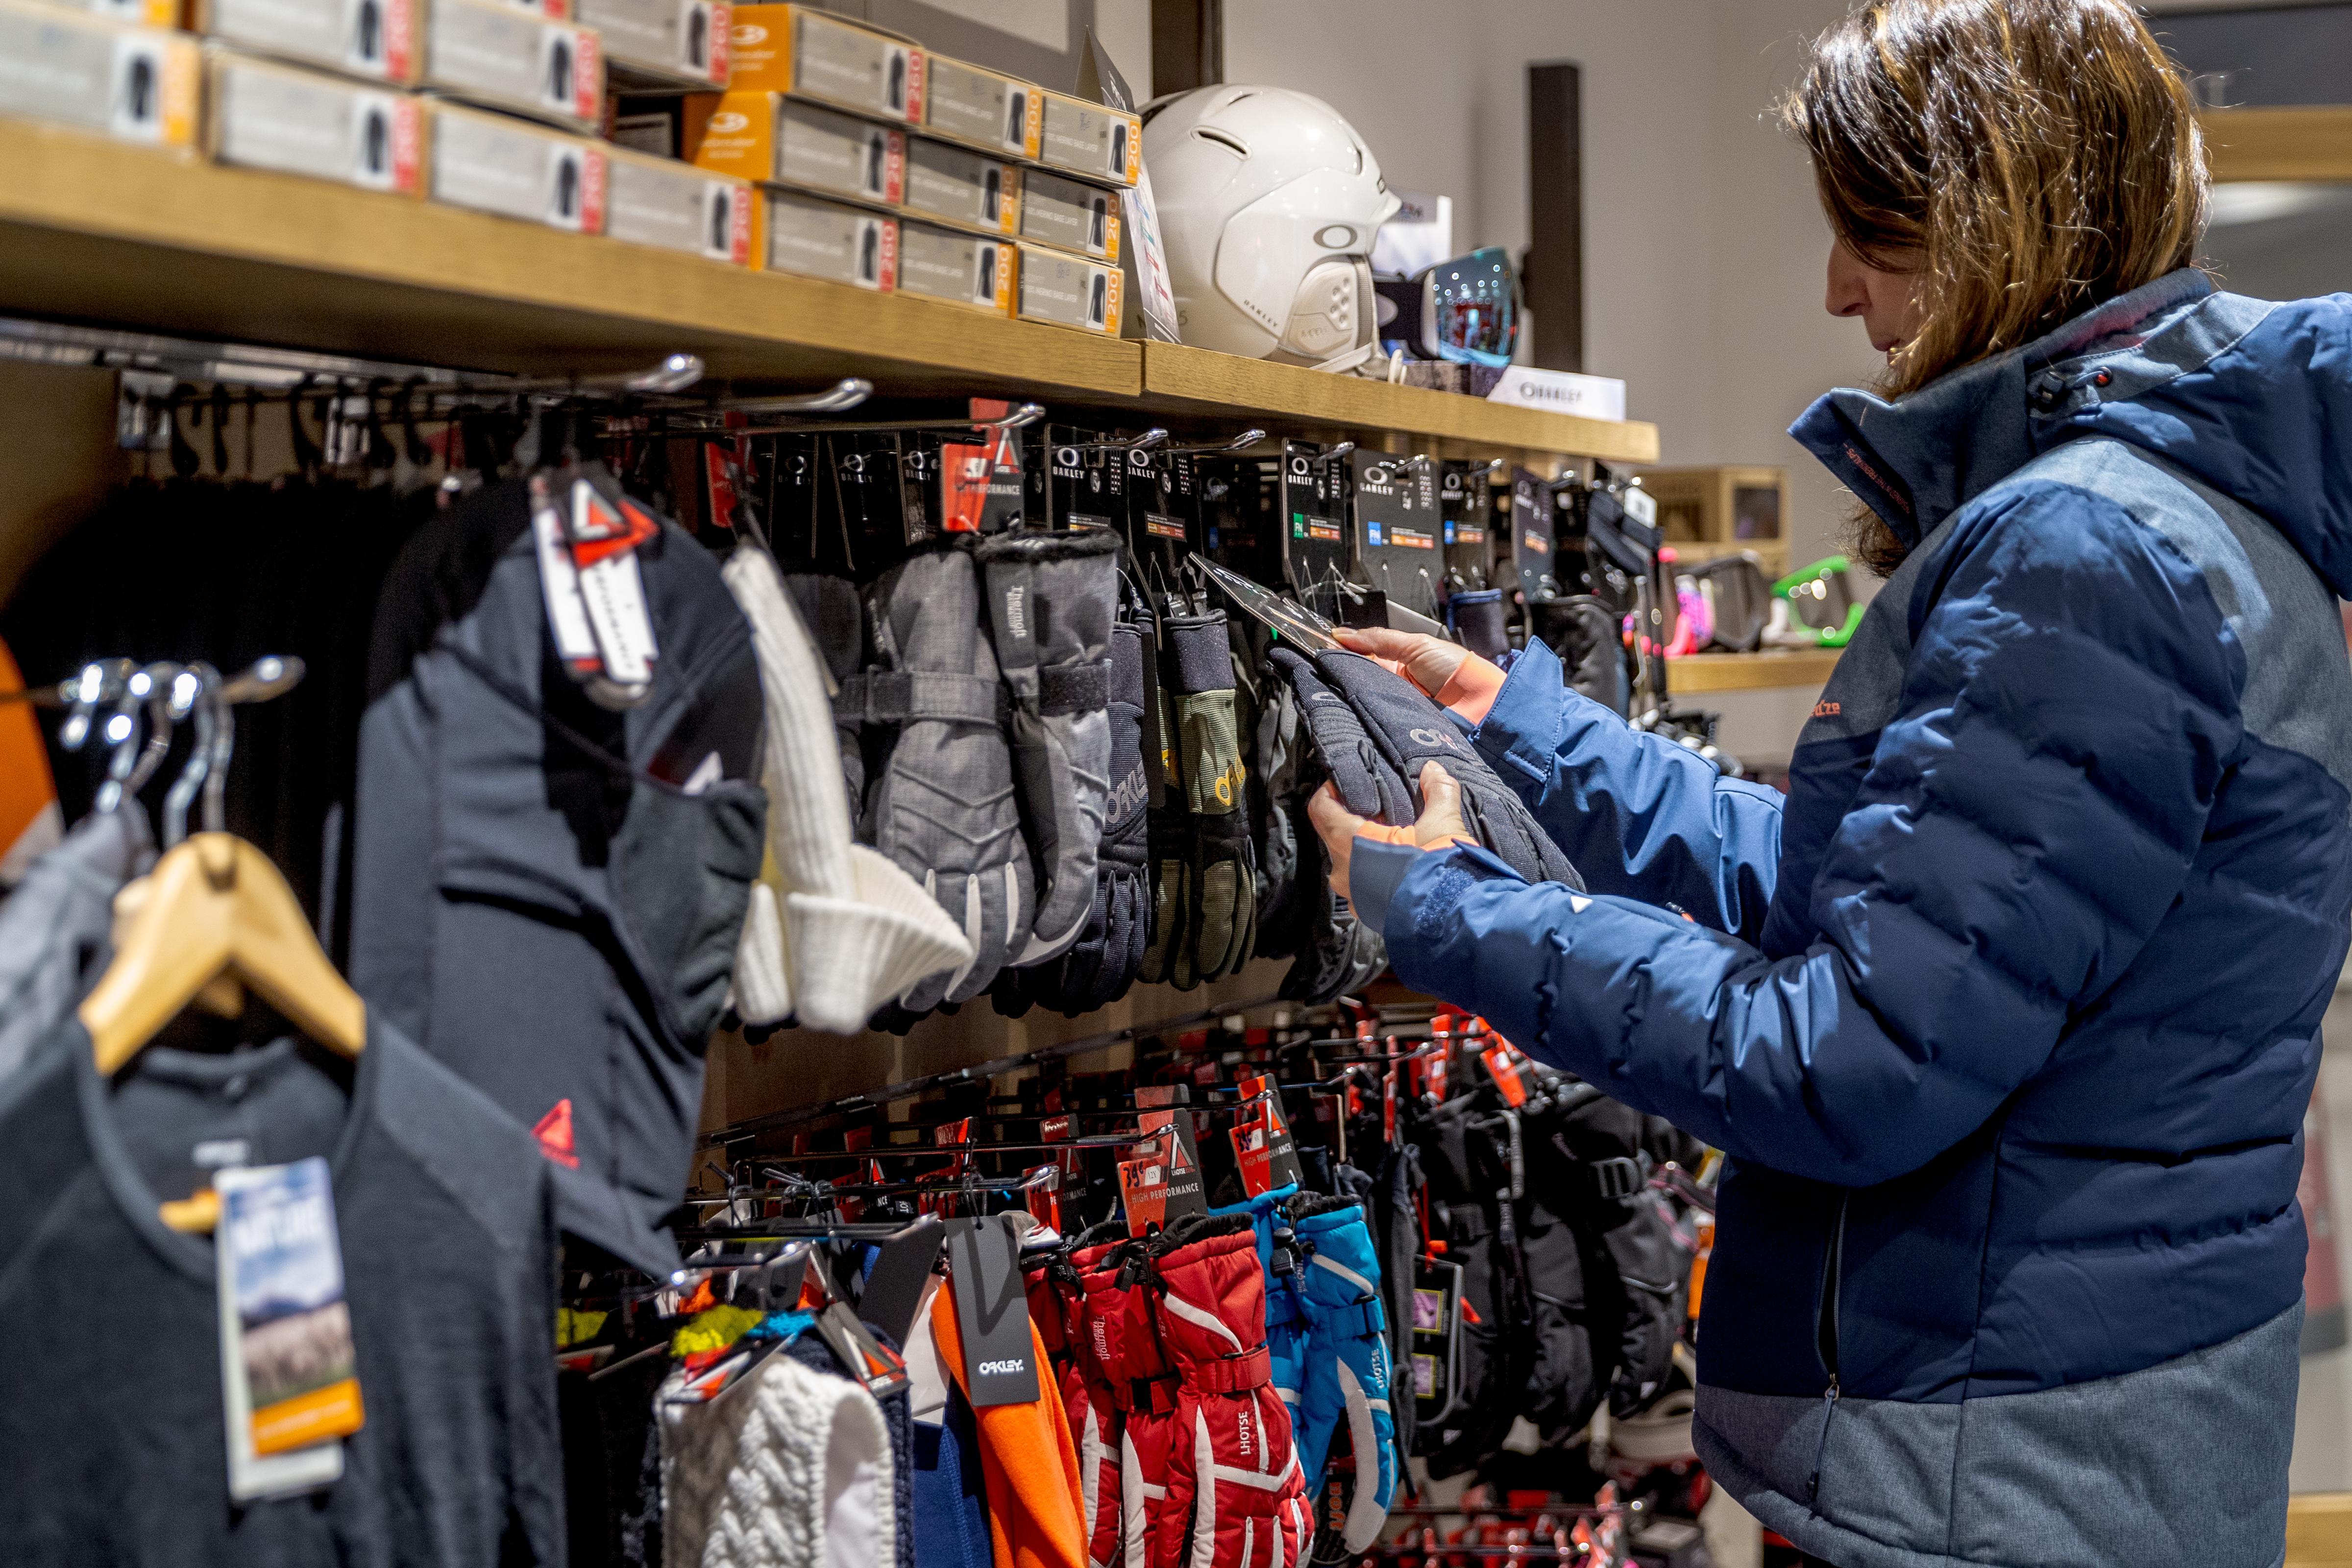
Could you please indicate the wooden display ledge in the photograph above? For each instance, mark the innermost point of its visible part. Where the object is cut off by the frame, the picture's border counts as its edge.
(98, 232)
(2280, 143)
(101, 233)
(2319, 1531)
(1309, 402)
(1750, 671)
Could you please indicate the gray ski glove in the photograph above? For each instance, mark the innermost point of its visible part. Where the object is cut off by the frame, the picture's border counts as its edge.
(1049, 604)
(943, 804)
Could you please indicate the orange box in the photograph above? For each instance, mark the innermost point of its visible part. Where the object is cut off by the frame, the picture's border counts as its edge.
(775, 139)
(814, 53)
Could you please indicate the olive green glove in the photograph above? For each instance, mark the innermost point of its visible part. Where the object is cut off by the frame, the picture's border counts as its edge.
(1222, 919)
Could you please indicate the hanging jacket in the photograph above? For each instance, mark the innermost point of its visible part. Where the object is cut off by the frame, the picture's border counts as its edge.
(1027, 1464)
(793, 1471)
(56, 928)
(549, 893)
(1346, 1372)
(2009, 1019)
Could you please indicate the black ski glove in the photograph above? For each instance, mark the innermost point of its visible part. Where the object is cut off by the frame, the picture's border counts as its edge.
(1409, 730)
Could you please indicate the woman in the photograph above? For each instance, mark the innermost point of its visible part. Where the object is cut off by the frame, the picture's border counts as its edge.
(2008, 1017)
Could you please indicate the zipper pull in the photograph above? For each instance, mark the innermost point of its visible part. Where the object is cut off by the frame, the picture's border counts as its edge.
(1829, 1409)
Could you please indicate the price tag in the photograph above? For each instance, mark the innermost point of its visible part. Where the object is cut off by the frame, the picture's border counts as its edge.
(289, 1377)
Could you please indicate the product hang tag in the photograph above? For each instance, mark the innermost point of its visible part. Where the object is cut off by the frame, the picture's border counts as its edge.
(983, 485)
(604, 532)
(1513, 1073)
(991, 1305)
(1399, 528)
(289, 1377)
(558, 581)
(1463, 509)
(1251, 1155)
(1314, 543)
(1171, 1131)
(1282, 1149)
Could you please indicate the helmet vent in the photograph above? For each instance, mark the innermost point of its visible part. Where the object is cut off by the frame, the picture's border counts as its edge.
(1225, 139)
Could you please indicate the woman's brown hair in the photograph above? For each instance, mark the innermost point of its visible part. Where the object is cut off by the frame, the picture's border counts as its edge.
(2027, 159)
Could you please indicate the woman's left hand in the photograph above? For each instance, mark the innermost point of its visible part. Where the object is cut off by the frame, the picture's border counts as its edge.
(1440, 823)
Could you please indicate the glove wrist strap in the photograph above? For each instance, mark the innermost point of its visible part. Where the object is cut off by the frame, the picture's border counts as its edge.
(1251, 1369)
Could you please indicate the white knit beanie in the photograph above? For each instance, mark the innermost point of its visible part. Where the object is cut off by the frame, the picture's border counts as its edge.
(841, 928)
(791, 1468)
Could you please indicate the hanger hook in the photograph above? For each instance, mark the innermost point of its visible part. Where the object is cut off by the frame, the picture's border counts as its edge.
(190, 691)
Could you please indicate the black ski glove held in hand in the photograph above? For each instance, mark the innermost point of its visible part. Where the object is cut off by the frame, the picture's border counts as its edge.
(1409, 729)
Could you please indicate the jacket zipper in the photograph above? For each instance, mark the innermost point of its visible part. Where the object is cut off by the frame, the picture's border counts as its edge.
(1826, 1339)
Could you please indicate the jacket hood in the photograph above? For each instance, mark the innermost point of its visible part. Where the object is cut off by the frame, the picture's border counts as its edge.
(2250, 398)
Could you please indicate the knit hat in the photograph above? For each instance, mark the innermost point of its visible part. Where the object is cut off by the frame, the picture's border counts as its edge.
(791, 1468)
(836, 929)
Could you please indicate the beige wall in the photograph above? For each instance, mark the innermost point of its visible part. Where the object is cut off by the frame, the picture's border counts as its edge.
(1703, 244)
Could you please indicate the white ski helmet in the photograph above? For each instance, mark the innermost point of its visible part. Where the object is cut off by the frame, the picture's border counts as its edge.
(1268, 202)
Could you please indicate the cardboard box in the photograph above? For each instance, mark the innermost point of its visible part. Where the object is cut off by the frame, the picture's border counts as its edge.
(968, 190)
(1069, 215)
(164, 14)
(775, 139)
(495, 163)
(68, 68)
(296, 121)
(814, 238)
(961, 268)
(981, 108)
(1069, 292)
(658, 44)
(676, 207)
(1087, 139)
(378, 39)
(814, 53)
(497, 53)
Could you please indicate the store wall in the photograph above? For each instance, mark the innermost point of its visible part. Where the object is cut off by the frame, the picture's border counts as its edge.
(1704, 246)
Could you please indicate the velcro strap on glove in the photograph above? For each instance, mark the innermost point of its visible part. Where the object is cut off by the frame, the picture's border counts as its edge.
(898, 696)
(1078, 688)
(1362, 1320)
(1251, 1369)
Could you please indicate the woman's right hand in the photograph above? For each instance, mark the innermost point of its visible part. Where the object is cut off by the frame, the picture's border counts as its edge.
(1428, 662)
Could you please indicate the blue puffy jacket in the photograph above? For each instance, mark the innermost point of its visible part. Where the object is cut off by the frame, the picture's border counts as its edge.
(2009, 1017)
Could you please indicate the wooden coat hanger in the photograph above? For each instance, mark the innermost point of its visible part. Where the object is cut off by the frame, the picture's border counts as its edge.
(214, 905)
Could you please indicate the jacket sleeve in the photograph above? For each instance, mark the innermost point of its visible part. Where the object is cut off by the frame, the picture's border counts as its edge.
(2029, 816)
(1642, 817)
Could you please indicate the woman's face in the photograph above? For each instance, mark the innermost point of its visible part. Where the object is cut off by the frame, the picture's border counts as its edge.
(1883, 299)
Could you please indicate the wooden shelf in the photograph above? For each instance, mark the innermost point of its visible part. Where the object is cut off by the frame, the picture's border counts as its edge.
(1199, 382)
(98, 232)
(1750, 671)
(101, 233)
(2319, 1531)
(2280, 143)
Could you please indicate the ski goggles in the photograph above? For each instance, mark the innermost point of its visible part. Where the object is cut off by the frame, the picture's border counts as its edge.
(1819, 600)
(1466, 310)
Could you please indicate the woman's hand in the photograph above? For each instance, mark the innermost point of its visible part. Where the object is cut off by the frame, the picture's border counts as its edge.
(1440, 823)
(1428, 662)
